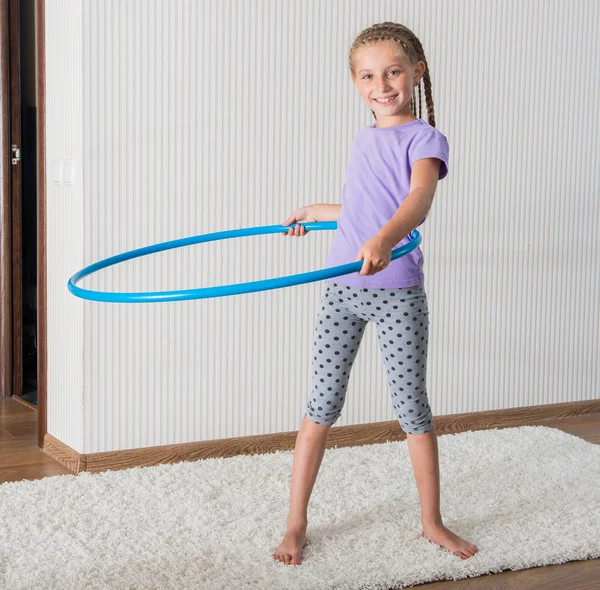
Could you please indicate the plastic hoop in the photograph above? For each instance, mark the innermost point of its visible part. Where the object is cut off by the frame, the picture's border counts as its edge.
(221, 291)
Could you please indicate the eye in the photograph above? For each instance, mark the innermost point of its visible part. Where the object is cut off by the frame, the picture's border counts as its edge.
(391, 71)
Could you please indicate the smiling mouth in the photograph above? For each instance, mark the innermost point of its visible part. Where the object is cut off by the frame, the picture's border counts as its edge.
(384, 102)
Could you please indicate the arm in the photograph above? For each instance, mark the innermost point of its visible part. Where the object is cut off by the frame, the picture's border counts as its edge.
(325, 211)
(423, 182)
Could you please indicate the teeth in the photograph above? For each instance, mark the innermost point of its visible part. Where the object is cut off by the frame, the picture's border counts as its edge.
(385, 101)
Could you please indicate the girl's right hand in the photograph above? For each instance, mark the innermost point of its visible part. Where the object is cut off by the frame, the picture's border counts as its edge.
(302, 214)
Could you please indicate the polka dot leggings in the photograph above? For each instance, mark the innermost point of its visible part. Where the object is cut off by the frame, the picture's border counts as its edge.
(401, 317)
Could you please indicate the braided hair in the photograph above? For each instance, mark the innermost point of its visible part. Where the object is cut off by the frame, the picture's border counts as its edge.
(408, 43)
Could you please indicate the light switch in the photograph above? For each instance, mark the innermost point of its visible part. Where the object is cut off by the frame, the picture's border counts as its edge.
(69, 172)
(57, 171)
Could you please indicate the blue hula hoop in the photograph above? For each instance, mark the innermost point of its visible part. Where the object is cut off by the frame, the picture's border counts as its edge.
(206, 292)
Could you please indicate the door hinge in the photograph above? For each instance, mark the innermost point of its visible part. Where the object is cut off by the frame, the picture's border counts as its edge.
(16, 154)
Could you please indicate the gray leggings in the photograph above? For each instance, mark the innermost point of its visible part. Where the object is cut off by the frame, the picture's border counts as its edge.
(401, 317)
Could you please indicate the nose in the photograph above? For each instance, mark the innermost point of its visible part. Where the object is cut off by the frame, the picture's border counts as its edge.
(383, 84)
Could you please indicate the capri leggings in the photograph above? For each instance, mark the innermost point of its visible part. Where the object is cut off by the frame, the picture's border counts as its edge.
(401, 317)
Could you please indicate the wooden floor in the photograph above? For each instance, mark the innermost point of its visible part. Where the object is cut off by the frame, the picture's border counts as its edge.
(20, 458)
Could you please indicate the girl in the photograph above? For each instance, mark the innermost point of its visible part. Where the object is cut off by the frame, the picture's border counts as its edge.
(390, 182)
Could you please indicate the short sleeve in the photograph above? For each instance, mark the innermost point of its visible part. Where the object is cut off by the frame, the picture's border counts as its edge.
(430, 143)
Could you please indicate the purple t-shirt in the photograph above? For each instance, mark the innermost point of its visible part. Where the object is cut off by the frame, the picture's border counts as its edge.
(377, 181)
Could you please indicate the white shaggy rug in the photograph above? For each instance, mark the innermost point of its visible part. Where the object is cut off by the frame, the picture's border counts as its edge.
(525, 496)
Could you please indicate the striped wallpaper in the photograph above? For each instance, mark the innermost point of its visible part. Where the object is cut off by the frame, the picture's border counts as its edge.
(188, 117)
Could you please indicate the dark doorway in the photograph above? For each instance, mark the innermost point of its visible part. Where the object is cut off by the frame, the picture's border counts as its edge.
(19, 204)
(23, 262)
(28, 201)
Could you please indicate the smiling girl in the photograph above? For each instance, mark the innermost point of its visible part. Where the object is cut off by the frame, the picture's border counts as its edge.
(392, 175)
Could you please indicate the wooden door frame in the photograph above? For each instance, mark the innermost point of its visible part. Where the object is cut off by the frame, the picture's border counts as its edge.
(6, 337)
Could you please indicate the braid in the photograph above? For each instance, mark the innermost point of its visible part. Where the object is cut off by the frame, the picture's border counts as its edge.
(408, 43)
(428, 98)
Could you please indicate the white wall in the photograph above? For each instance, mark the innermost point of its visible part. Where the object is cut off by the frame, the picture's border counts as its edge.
(65, 206)
(193, 117)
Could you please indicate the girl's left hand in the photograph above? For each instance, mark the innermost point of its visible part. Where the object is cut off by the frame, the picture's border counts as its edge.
(376, 255)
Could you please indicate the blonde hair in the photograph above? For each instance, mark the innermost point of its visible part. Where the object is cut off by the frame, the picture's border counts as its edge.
(407, 43)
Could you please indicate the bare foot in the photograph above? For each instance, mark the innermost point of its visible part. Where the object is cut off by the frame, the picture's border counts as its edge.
(442, 536)
(290, 550)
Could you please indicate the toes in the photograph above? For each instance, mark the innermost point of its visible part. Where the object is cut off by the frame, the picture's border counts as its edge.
(288, 559)
(468, 552)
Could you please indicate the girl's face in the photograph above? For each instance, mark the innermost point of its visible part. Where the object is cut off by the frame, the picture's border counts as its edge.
(383, 72)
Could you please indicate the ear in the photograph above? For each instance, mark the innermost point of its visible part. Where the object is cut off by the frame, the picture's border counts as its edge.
(419, 71)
